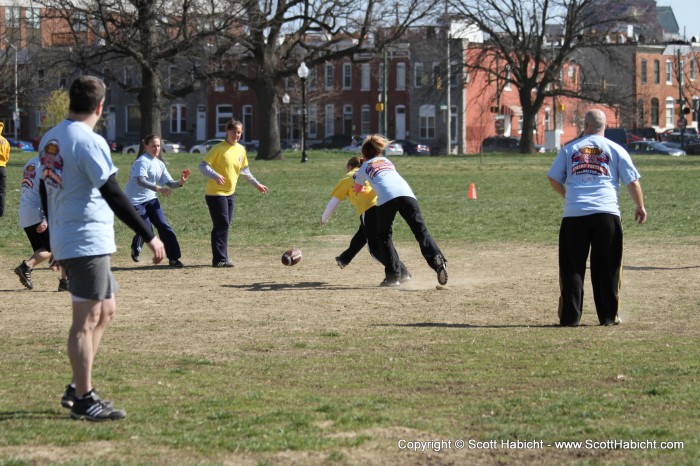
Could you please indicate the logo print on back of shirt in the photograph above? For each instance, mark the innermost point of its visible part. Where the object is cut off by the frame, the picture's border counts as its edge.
(53, 164)
(590, 160)
(29, 176)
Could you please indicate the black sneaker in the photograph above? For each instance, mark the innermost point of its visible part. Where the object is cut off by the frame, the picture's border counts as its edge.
(340, 262)
(441, 269)
(68, 398)
(90, 407)
(63, 284)
(390, 282)
(223, 264)
(176, 263)
(24, 272)
(135, 255)
(405, 278)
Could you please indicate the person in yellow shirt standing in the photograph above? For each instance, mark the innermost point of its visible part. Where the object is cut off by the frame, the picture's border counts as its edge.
(365, 202)
(223, 164)
(4, 157)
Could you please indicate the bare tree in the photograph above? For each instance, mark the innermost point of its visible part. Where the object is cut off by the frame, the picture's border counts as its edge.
(522, 49)
(256, 42)
(276, 36)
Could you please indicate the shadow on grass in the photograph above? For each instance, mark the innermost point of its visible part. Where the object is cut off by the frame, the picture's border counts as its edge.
(444, 325)
(275, 286)
(643, 268)
(22, 415)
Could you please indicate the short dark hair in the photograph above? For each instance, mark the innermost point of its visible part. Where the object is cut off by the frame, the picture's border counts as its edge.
(232, 124)
(85, 94)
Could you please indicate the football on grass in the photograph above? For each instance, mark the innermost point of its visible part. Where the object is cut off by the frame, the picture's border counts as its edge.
(291, 256)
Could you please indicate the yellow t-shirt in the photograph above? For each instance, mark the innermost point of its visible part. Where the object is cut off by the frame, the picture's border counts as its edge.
(4, 151)
(227, 160)
(362, 200)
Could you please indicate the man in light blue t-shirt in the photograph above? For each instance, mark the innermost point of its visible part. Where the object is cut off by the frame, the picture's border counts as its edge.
(80, 196)
(587, 174)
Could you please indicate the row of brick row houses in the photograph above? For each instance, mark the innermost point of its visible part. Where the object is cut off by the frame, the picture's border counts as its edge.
(405, 92)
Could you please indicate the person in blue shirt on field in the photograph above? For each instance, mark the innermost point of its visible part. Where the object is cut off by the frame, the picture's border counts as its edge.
(587, 174)
(148, 178)
(394, 195)
(80, 196)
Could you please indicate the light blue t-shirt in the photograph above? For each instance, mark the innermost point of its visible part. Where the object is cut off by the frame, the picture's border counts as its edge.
(590, 169)
(154, 171)
(29, 200)
(384, 180)
(76, 163)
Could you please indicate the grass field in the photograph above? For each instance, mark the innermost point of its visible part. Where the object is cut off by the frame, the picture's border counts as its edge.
(265, 364)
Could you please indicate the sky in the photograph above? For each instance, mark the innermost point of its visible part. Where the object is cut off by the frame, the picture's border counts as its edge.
(687, 14)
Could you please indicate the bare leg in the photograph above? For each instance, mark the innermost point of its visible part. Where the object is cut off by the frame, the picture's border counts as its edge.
(90, 319)
(39, 256)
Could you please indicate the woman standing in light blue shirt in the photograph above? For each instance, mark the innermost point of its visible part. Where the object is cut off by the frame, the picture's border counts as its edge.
(148, 177)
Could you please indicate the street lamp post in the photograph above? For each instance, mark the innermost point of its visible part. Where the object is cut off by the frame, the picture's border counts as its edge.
(15, 115)
(303, 73)
(285, 101)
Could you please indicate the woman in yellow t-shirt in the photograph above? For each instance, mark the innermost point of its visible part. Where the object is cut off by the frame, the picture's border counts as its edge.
(223, 164)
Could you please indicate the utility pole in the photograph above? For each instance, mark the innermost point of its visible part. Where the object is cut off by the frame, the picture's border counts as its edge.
(15, 114)
(448, 87)
(681, 120)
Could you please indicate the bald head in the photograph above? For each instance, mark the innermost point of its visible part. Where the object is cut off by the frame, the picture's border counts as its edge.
(595, 122)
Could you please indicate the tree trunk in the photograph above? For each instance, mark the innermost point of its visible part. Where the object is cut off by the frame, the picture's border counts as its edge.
(151, 102)
(527, 144)
(268, 108)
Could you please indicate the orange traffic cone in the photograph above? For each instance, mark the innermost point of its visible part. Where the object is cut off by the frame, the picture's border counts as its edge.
(472, 192)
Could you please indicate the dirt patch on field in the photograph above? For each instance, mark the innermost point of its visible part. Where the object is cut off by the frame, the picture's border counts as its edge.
(508, 285)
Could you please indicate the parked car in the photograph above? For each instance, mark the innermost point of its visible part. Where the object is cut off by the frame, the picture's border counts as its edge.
(413, 148)
(504, 144)
(652, 147)
(693, 148)
(165, 146)
(203, 147)
(336, 141)
(618, 135)
(646, 133)
(394, 148)
(26, 146)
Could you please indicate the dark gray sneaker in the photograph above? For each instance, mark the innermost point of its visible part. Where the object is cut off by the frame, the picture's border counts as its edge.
(441, 269)
(68, 398)
(91, 408)
(63, 284)
(24, 272)
(390, 282)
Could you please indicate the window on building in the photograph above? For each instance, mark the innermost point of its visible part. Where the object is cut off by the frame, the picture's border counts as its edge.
(401, 76)
(696, 109)
(426, 116)
(437, 76)
(242, 85)
(640, 113)
(692, 70)
(312, 82)
(506, 86)
(79, 21)
(347, 75)
(133, 119)
(33, 18)
(329, 120)
(418, 75)
(178, 118)
(348, 127)
(669, 112)
(669, 72)
(657, 72)
(247, 123)
(224, 114)
(12, 25)
(454, 74)
(548, 119)
(365, 127)
(312, 121)
(172, 76)
(330, 76)
(364, 77)
(644, 71)
(654, 112)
